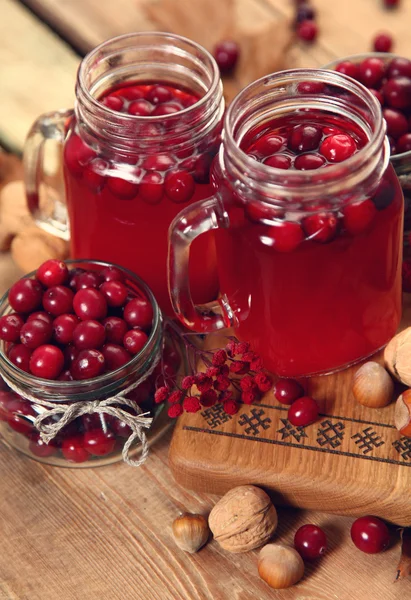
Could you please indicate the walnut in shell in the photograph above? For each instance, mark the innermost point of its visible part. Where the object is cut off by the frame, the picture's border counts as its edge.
(397, 356)
(243, 519)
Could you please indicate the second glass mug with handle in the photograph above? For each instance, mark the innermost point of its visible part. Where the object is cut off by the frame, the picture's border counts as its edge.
(308, 223)
(137, 148)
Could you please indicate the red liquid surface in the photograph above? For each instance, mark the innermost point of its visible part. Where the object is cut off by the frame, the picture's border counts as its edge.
(121, 213)
(314, 296)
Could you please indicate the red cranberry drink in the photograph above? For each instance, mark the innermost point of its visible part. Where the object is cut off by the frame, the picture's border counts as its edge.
(139, 148)
(309, 222)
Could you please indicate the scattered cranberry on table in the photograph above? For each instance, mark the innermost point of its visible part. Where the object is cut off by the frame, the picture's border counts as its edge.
(370, 535)
(304, 411)
(226, 54)
(383, 42)
(288, 391)
(307, 30)
(310, 542)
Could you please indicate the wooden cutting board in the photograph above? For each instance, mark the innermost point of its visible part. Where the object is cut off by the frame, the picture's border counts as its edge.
(351, 461)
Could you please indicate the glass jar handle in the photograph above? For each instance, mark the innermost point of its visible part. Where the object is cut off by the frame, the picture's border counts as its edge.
(193, 221)
(41, 182)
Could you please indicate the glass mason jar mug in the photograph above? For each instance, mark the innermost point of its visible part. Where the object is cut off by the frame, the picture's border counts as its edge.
(106, 435)
(308, 223)
(138, 146)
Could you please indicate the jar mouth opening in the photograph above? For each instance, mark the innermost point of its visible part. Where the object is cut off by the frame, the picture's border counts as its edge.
(278, 85)
(181, 46)
(81, 386)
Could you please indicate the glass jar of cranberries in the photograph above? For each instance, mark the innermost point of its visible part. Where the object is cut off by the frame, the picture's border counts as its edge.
(139, 146)
(308, 217)
(75, 333)
(388, 77)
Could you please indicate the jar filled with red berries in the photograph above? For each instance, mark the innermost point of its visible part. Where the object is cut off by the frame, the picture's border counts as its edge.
(308, 218)
(138, 147)
(388, 77)
(79, 334)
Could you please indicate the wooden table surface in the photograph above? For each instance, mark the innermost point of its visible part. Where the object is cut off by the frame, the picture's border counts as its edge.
(105, 533)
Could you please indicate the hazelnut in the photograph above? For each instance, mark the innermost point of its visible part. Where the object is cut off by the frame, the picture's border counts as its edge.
(397, 356)
(243, 519)
(280, 566)
(190, 532)
(372, 386)
(403, 413)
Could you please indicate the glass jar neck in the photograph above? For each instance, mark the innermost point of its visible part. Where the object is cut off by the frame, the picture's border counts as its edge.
(304, 93)
(141, 58)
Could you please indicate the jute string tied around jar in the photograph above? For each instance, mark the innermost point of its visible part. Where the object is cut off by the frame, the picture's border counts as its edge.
(109, 406)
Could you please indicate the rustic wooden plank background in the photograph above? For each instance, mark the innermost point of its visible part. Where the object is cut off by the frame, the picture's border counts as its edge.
(105, 533)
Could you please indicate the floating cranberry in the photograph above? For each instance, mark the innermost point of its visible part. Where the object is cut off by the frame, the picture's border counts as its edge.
(349, 68)
(16, 410)
(321, 227)
(40, 448)
(90, 304)
(404, 143)
(77, 154)
(116, 329)
(337, 148)
(114, 292)
(288, 391)
(396, 122)
(98, 443)
(307, 31)
(20, 356)
(115, 356)
(384, 195)
(268, 144)
(63, 327)
(151, 188)
(371, 72)
(132, 93)
(25, 295)
(135, 340)
(357, 217)
(285, 236)
(310, 542)
(112, 274)
(73, 449)
(47, 362)
(122, 188)
(140, 108)
(259, 211)
(226, 54)
(94, 174)
(10, 327)
(383, 42)
(278, 161)
(88, 364)
(41, 315)
(308, 162)
(303, 412)
(304, 137)
(168, 108)
(399, 67)
(35, 333)
(58, 300)
(113, 102)
(52, 272)
(138, 313)
(397, 92)
(179, 186)
(370, 535)
(158, 162)
(89, 334)
(159, 94)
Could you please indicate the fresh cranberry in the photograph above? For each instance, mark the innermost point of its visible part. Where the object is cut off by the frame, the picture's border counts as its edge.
(358, 216)
(304, 137)
(77, 154)
(321, 227)
(6, 399)
(396, 122)
(383, 195)
(114, 292)
(47, 362)
(25, 295)
(370, 535)
(303, 412)
(311, 87)
(116, 329)
(40, 448)
(58, 300)
(140, 108)
(138, 313)
(288, 391)
(73, 276)
(17, 409)
(378, 95)
(349, 68)
(65, 376)
(307, 30)
(278, 161)
(88, 279)
(132, 93)
(93, 421)
(285, 236)
(36, 333)
(20, 356)
(337, 148)
(70, 354)
(135, 340)
(98, 443)
(159, 94)
(383, 42)
(404, 143)
(305, 12)
(88, 364)
(259, 211)
(151, 188)
(179, 186)
(268, 144)
(371, 72)
(168, 108)
(113, 102)
(73, 449)
(90, 304)
(122, 188)
(397, 92)
(310, 542)
(52, 272)
(40, 315)
(10, 327)
(399, 67)
(121, 429)
(88, 335)
(308, 162)
(158, 162)
(63, 328)
(112, 274)
(115, 356)
(226, 54)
